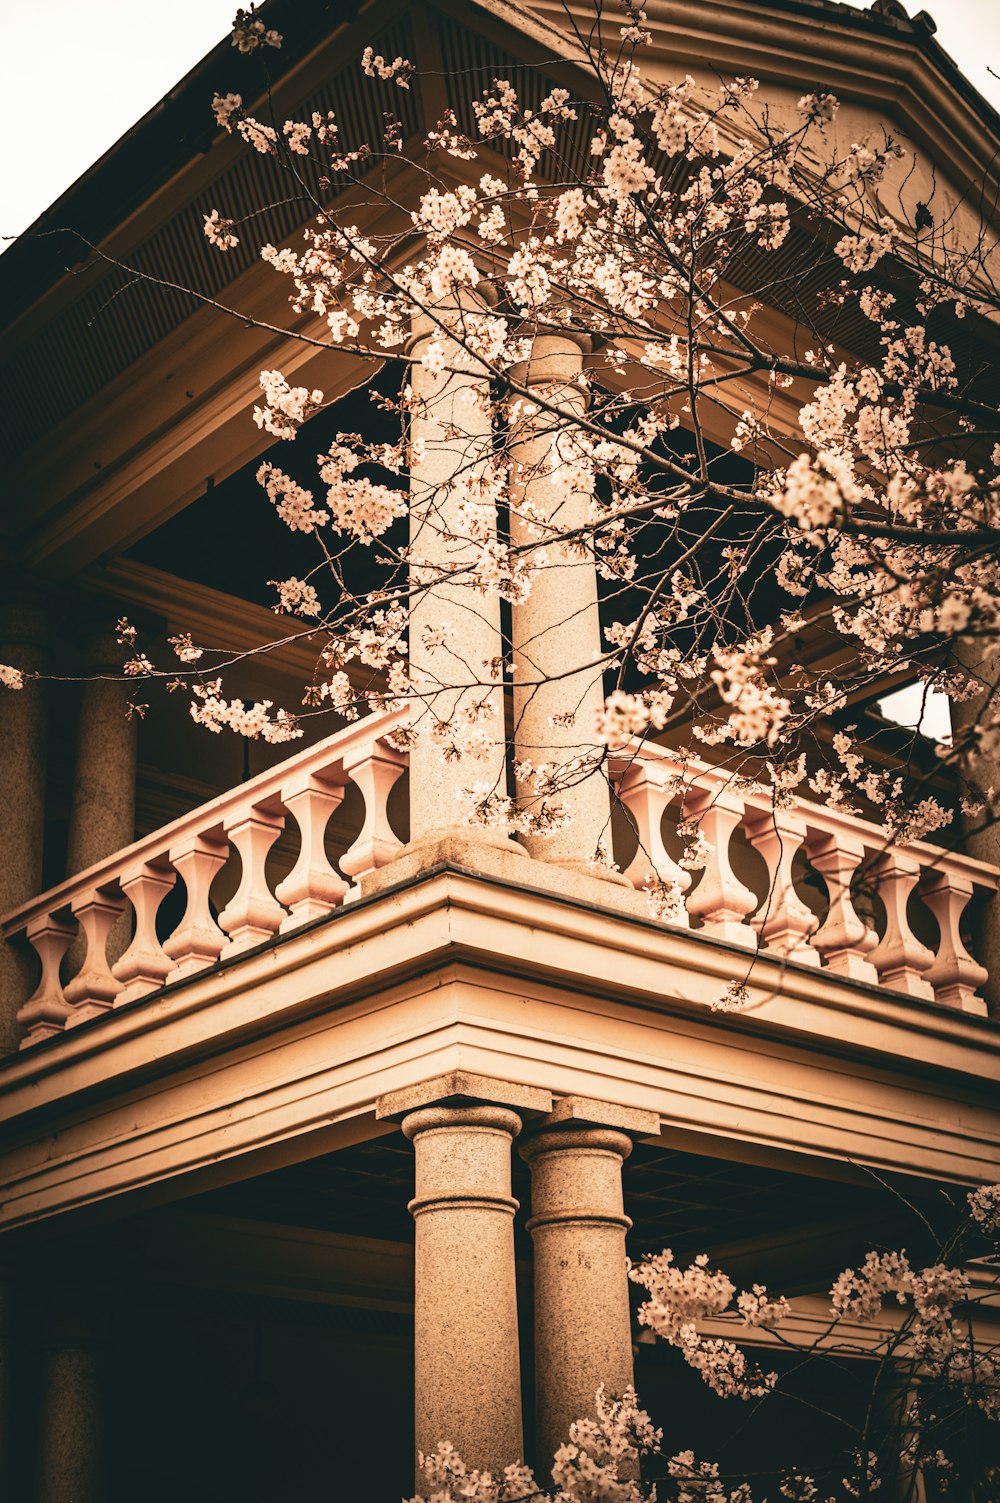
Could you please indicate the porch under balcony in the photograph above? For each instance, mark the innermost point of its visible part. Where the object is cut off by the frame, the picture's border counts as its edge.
(212, 1135)
(257, 1338)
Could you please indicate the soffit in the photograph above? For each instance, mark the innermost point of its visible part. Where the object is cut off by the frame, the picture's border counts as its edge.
(79, 363)
(124, 395)
(677, 1199)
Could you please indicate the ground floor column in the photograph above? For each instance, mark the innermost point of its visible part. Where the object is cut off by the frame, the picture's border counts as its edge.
(467, 1373)
(583, 1335)
(70, 1437)
(466, 1357)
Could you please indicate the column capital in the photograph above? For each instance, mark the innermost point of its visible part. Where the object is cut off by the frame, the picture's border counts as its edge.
(460, 1114)
(461, 1087)
(586, 1111)
(574, 1136)
(556, 359)
(447, 313)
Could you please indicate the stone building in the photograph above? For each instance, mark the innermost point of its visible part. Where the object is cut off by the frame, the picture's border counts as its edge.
(318, 1114)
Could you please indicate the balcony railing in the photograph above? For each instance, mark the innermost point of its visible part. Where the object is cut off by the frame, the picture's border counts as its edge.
(308, 787)
(802, 838)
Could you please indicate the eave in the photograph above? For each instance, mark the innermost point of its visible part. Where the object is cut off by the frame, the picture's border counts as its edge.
(273, 1056)
(147, 440)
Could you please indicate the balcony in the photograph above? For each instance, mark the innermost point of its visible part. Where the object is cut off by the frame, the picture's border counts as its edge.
(922, 892)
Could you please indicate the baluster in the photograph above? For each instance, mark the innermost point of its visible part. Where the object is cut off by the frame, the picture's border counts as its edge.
(720, 899)
(312, 887)
(252, 915)
(94, 988)
(899, 957)
(843, 939)
(374, 770)
(198, 939)
(955, 974)
(145, 965)
(46, 1010)
(647, 791)
(784, 923)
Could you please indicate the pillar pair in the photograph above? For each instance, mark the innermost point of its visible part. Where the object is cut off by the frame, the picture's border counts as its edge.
(456, 649)
(467, 1357)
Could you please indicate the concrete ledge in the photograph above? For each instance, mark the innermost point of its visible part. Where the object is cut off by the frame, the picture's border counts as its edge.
(489, 857)
(586, 1111)
(464, 1085)
(493, 857)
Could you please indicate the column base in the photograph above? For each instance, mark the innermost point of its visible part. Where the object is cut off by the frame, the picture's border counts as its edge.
(485, 851)
(493, 855)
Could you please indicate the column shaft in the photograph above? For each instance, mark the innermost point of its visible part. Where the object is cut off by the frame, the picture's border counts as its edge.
(556, 630)
(22, 794)
(982, 661)
(454, 630)
(583, 1332)
(69, 1460)
(102, 816)
(466, 1356)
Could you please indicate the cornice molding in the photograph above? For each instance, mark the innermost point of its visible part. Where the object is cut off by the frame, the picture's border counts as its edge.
(211, 616)
(264, 1055)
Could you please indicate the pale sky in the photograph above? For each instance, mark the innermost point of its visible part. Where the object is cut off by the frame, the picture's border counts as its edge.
(79, 73)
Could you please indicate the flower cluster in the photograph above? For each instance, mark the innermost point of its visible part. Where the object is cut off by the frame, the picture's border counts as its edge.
(296, 596)
(249, 32)
(984, 1208)
(681, 1298)
(210, 709)
(293, 504)
(220, 232)
(400, 69)
(357, 506)
(288, 407)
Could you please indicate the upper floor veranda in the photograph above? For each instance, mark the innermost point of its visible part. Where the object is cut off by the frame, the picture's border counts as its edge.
(292, 938)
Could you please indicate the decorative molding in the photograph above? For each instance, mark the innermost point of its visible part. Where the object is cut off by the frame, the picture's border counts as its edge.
(261, 1058)
(211, 616)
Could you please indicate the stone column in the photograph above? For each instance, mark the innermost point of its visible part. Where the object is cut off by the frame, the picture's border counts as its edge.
(68, 1470)
(583, 1331)
(466, 1357)
(556, 631)
(102, 816)
(451, 435)
(467, 1376)
(22, 792)
(897, 1433)
(982, 661)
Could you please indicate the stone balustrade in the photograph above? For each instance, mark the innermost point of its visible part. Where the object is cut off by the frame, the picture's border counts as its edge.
(845, 864)
(916, 949)
(307, 789)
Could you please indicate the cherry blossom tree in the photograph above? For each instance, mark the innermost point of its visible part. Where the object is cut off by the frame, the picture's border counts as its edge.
(643, 221)
(777, 451)
(932, 1384)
